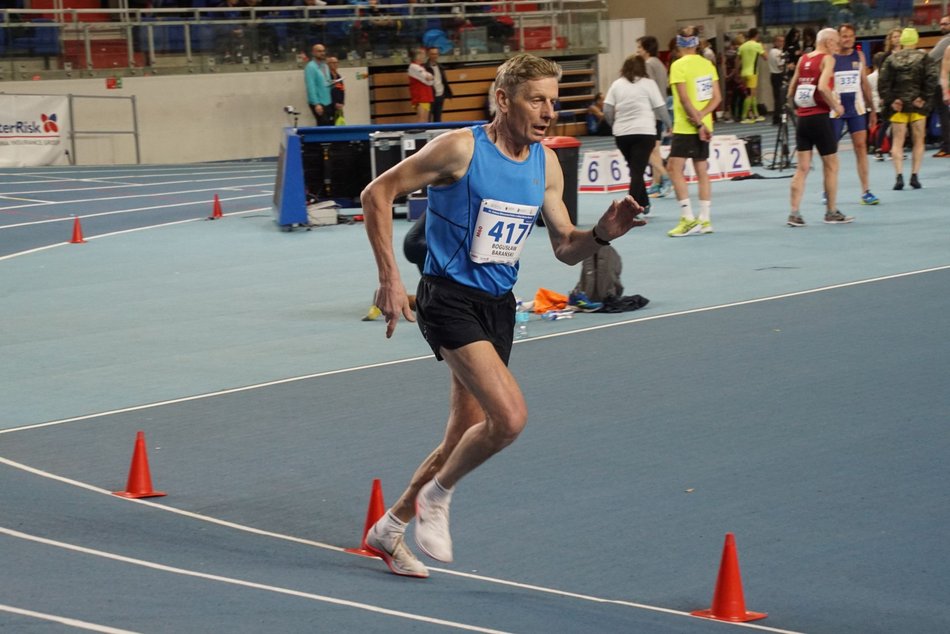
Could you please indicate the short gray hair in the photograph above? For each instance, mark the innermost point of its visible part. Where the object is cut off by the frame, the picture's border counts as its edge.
(521, 68)
(824, 34)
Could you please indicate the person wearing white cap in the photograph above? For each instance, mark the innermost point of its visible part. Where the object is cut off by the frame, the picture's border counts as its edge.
(906, 84)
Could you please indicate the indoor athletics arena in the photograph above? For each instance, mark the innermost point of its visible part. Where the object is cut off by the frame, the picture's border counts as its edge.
(202, 414)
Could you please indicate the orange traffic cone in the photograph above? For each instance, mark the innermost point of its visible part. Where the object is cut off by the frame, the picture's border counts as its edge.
(216, 209)
(140, 481)
(77, 232)
(373, 513)
(728, 603)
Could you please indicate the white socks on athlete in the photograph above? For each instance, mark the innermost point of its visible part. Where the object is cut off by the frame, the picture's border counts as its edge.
(704, 207)
(387, 539)
(686, 209)
(432, 521)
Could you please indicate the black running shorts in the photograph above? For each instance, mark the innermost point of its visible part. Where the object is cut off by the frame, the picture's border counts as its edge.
(815, 131)
(451, 315)
(689, 146)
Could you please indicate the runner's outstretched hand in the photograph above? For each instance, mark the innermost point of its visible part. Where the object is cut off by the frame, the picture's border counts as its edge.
(622, 216)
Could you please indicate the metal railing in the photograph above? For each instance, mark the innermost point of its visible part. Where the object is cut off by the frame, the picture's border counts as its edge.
(91, 42)
(75, 133)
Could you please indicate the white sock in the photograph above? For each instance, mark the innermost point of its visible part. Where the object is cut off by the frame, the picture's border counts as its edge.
(686, 209)
(704, 206)
(389, 523)
(438, 493)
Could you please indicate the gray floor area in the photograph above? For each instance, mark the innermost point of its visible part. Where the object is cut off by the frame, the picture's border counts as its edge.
(783, 384)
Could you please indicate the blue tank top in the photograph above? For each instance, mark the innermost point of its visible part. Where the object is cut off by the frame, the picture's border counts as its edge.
(453, 212)
(848, 84)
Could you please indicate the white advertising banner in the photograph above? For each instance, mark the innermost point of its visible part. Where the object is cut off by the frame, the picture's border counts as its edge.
(34, 130)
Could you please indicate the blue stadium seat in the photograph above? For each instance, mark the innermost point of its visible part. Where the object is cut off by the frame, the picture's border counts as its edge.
(202, 38)
(174, 38)
(41, 40)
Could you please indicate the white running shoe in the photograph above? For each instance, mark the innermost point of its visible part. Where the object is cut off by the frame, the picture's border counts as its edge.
(391, 547)
(432, 524)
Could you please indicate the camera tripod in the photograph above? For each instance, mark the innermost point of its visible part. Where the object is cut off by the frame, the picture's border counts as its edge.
(781, 158)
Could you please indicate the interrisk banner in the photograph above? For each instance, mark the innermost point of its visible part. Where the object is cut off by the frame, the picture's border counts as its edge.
(34, 130)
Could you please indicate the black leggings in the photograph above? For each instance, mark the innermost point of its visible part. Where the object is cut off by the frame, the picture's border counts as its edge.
(636, 148)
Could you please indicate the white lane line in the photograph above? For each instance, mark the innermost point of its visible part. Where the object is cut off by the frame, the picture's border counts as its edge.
(170, 509)
(36, 175)
(620, 602)
(24, 200)
(124, 231)
(64, 620)
(129, 211)
(248, 584)
(746, 302)
(109, 172)
(233, 390)
(307, 542)
(114, 178)
(108, 198)
(29, 251)
(98, 187)
(304, 377)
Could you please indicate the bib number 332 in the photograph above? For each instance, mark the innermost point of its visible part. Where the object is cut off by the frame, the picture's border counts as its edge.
(501, 231)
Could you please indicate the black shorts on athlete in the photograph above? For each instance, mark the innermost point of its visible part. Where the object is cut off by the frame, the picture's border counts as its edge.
(689, 146)
(451, 315)
(816, 131)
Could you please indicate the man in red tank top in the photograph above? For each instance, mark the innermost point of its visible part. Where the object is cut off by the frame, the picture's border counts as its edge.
(812, 90)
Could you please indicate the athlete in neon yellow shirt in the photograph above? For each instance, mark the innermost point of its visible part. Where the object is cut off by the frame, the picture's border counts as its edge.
(749, 54)
(696, 96)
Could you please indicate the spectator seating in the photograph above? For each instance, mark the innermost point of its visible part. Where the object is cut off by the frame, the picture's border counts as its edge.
(41, 39)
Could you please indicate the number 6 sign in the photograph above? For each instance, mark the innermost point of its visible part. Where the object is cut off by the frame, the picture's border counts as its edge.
(604, 171)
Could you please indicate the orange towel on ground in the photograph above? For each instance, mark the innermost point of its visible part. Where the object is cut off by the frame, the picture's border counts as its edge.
(545, 300)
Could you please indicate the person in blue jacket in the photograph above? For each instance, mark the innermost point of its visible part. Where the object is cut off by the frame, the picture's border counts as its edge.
(317, 77)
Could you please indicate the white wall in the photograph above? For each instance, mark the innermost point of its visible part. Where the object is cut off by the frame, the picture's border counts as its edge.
(623, 36)
(188, 118)
(660, 17)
